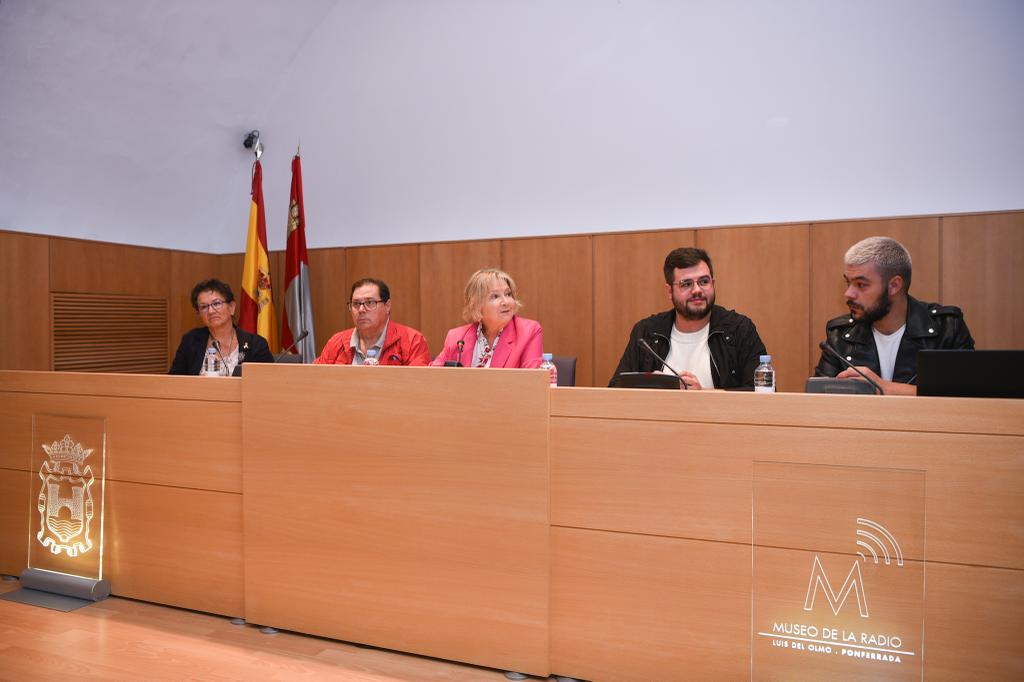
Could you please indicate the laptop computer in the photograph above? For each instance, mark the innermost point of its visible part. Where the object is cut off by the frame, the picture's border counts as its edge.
(971, 373)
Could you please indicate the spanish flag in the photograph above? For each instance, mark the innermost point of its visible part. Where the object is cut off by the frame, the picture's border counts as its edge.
(257, 304)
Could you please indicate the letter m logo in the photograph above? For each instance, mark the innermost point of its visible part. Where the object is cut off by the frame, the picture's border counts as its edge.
(854, 583)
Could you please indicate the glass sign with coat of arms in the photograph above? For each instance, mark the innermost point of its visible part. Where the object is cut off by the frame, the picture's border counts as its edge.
(66, 500)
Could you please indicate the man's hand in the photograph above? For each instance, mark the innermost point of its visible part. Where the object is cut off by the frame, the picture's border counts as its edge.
(691, 380)
(888, 387)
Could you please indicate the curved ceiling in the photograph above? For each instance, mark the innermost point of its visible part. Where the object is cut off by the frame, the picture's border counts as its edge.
(123, 120)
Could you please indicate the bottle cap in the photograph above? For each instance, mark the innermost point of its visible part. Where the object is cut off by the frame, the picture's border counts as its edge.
(547, 356)
(766, 358)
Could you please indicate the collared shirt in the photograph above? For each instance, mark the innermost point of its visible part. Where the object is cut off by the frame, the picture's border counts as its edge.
(357, 355)
(483, 353)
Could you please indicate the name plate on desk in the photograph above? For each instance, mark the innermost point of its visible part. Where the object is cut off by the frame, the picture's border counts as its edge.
(66, 500)
(838, 564)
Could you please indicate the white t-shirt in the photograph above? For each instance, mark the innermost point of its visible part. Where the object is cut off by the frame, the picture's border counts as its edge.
(689, 351)
(888, 345)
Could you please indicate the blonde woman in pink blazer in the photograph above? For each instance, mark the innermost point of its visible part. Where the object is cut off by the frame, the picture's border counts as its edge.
(495, 336)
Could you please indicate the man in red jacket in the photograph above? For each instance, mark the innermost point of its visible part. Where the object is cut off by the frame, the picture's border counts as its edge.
(375, 333)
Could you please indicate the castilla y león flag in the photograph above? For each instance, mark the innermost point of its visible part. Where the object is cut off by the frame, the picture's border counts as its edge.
(257, 304)
(297, 316)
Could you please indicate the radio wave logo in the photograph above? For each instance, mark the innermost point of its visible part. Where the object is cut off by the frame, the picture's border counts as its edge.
(875, 538)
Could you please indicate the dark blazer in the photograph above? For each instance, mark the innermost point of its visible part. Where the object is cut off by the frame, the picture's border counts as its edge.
(189, 358)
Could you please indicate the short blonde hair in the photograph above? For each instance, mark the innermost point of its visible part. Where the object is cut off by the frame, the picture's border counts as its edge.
(478, 288)
(885, 253)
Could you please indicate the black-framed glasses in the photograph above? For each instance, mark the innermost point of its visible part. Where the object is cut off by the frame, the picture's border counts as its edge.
(212, 305)
(687, 284)
(365, 305)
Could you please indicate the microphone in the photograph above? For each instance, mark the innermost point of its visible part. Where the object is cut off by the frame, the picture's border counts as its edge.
(647, 347)
(296, 342)
(216, 347)
(836, 354)
(458, 356)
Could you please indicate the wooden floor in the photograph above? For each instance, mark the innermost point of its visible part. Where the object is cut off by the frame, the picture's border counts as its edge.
(122, 639)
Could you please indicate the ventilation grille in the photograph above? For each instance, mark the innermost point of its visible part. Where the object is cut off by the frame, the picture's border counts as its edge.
(109, 333)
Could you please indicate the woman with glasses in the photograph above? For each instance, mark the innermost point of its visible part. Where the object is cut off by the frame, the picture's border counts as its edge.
(495, 336)
(215, 303)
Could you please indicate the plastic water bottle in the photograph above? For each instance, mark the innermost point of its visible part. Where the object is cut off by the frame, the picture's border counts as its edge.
(371, 358)
(764, 376)
(211, 363)
(548, 364)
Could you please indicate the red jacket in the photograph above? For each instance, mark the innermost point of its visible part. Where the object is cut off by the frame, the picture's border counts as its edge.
(402, 346)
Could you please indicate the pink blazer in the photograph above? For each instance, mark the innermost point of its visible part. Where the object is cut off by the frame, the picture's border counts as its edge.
(521, 345)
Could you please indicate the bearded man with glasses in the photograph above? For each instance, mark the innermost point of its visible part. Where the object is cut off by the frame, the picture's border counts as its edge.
(392, 343)
(707, 345)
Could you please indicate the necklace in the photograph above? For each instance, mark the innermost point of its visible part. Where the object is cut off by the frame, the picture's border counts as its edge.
(231, 344)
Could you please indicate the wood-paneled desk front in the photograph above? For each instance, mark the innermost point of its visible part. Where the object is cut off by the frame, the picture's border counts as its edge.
(409, 508)
(656, 497)
(174, 480)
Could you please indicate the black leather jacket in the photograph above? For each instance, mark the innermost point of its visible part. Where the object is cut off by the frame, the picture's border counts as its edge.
(929, 325)
(732, 338)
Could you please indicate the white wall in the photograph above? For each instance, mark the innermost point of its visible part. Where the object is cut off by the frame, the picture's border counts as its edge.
(453, 119)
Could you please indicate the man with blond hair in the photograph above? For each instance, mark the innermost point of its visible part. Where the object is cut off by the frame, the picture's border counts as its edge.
(886, 327)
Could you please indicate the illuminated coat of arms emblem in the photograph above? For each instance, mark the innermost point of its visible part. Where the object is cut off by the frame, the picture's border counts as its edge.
(65, 498)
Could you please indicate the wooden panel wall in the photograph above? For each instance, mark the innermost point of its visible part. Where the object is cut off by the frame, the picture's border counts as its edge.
(329, 284)
(554, 275)
(100, 268)
(586, 290)
(749, 279)
(983, 263)
(25, 291)
(444, 270)
(628, 280)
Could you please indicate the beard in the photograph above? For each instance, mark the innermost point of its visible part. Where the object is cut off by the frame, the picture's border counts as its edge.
(683, 307)
(876, 312)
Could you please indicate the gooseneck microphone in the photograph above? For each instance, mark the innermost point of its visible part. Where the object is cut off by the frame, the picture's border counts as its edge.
(296, 342)
(824, 345)
(458, 355)
(647, 347)
(216, 347)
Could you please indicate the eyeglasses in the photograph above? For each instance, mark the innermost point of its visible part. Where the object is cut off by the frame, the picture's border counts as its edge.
(212, 305)
(702, 282)
(365, 305)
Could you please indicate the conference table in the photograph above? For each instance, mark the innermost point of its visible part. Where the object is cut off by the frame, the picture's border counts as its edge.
(602, 534)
